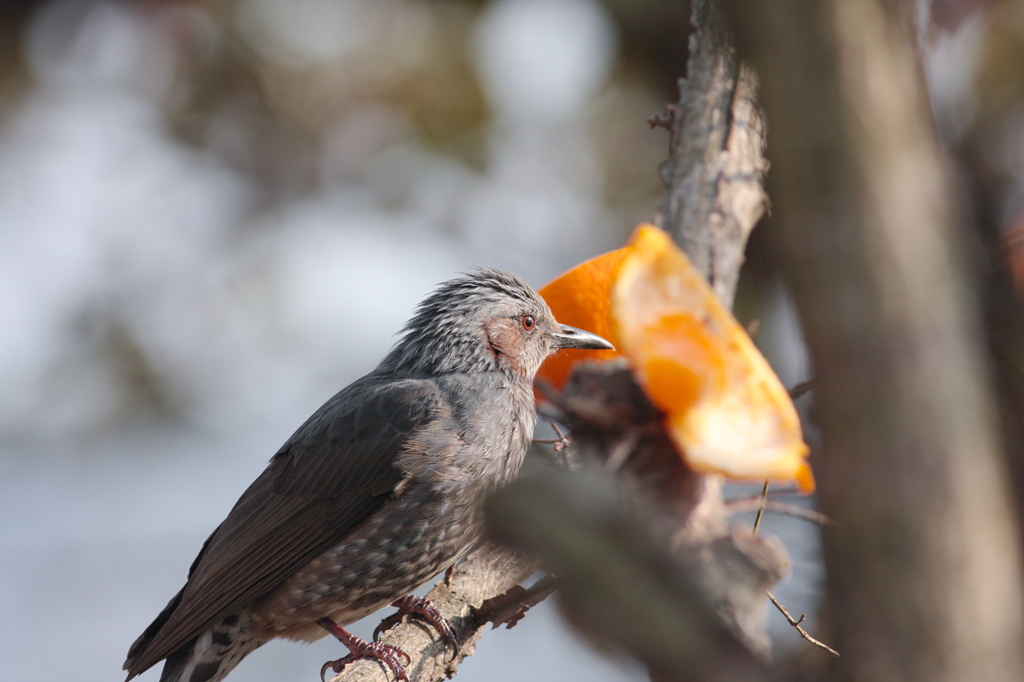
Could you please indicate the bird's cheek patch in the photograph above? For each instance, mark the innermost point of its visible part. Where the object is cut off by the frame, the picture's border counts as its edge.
(506, 342)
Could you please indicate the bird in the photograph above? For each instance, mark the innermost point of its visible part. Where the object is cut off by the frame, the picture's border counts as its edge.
(378, 491)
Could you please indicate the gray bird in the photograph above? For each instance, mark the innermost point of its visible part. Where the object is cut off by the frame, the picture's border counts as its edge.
(376, 493)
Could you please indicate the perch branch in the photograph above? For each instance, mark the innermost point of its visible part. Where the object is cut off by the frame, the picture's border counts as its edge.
(489, 571)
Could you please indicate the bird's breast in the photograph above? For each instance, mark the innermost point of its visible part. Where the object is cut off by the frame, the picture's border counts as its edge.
(500, 430)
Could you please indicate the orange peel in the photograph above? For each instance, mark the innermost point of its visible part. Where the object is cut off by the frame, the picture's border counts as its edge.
(725, 409)
(581, 298)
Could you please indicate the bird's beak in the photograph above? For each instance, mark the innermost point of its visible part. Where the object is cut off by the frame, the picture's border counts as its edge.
(571, 337)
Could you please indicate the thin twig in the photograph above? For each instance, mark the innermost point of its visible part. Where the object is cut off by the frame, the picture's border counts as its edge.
(782, 609)
(563, 440)
(776, 492)
(760, 509)
(622, 450)
(562, 446)
(748, 505)
(802, 388)
(796, 623)
(509, 608)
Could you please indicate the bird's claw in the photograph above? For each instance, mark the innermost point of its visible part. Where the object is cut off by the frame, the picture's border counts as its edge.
(386, 624)
(336, 666)
(391, 656)
(411, 604)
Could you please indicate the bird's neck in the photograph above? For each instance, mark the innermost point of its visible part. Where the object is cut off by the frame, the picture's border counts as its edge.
(428, 356)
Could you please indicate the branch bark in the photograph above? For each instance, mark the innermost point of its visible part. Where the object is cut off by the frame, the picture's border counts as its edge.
(489, 571)
(714, 177)
(627, 592)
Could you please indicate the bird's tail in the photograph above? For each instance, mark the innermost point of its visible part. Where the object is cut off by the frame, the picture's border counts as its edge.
(213, 654)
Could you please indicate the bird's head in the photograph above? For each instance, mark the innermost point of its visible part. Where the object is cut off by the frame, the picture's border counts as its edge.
(485, 321)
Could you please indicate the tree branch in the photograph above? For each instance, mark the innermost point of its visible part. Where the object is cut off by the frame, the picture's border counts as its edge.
(620, 584)
(714, 194)
(713, 199)
(489, 571)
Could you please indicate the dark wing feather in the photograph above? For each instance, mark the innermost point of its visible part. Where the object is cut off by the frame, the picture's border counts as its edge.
(147, 635)
(335, 471)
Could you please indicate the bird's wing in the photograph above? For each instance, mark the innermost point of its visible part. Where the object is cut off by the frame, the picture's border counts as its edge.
(336, 470)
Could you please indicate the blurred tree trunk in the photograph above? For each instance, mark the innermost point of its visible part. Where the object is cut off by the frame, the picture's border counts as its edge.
(923, 562)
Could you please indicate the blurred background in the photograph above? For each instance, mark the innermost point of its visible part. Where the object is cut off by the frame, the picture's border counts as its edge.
(215, 214)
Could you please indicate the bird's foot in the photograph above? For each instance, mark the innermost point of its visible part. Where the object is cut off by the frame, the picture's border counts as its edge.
(390, 656)
(411, 604)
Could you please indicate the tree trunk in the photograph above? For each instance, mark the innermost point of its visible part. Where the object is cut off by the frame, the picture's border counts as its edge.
(923, 561)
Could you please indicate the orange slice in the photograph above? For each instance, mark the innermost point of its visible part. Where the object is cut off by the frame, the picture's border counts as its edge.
(726, 410)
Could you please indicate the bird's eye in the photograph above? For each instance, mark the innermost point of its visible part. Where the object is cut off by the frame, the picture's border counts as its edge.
(528, 322)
